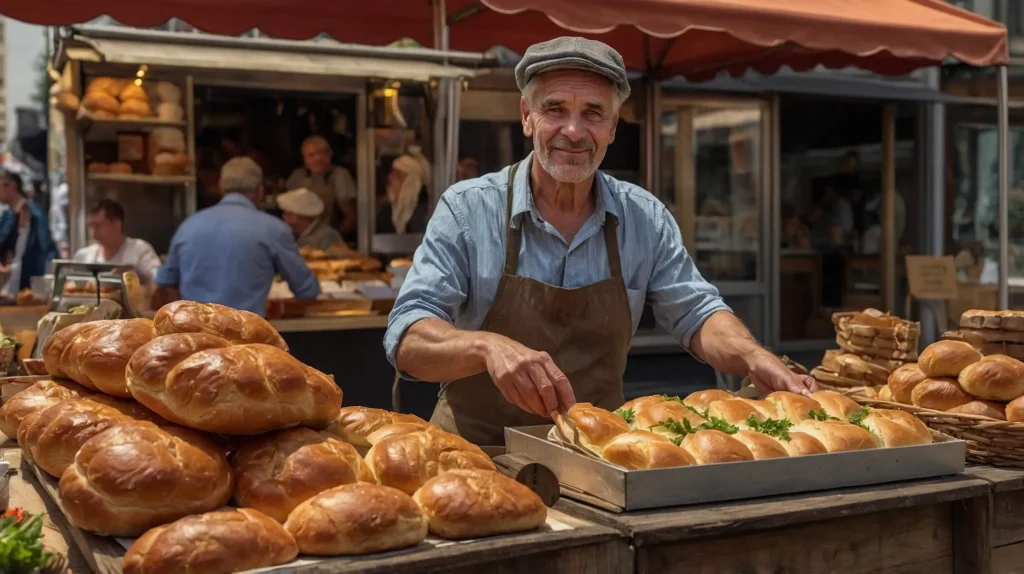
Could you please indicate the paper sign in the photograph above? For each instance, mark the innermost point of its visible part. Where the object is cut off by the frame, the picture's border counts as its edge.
(932, 277)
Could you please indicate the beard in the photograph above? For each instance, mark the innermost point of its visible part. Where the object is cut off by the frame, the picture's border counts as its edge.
(577, 167)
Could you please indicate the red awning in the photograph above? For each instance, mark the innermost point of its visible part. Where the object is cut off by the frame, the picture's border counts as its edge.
(694, 38)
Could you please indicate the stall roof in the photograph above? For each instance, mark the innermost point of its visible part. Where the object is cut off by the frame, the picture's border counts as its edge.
(317, 57)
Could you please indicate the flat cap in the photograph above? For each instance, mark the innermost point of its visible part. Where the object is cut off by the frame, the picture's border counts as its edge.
(301, 202)
(568, 53)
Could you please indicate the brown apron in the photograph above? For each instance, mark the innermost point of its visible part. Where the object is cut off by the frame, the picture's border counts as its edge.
(587, 331)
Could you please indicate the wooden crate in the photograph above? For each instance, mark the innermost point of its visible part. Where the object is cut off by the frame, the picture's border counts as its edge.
(1003, 522)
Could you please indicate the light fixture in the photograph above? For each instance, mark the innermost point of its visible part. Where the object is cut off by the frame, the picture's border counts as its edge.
(385, 109)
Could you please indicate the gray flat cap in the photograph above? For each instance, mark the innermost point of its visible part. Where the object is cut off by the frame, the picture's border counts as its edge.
(567, 53)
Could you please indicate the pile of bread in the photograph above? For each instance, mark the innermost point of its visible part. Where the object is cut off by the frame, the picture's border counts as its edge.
(124, 98)
(153, 427)
(992, 332)
(714, 426)
(872, 345)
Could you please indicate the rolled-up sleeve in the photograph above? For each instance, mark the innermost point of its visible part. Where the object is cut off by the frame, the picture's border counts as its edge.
(438, 282)
(291, 266)
(682, 300)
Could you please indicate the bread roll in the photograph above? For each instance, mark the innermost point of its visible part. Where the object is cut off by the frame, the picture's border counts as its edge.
(355, 424)
(939, 394)
(238, 327)
(95, 354)
(903, 380)
(277, 471)
(170, 112)
(761, 445)
(475, 503)
(203, 382)
(980, 408)
(107, 85)
(897, 428)
(133, 92)
(590, 427)
(395, 430)
(711, 446)
(854, 367)
(792, 406)
(734, 411)
(947, 359)
(220, 542)
(357, 519)
(640, 449)
(649, 416)
(96, 102)
(134, 109)
(996, 378)
(886, 394)
(837, 436)
(407, 461)
(136, 475)
(53, 436)
(802, 444)
(97, 167)
(39, 396)
(1015, 411)
(702, 399)
(119, 167)
(836, 405)
(634, 404)
(768, 410)
(983, 319)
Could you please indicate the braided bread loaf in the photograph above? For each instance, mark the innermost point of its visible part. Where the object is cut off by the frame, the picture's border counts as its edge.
(94, 354)
(40, 396)
(238, 327)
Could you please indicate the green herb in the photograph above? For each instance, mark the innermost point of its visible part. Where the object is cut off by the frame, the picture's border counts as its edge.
(684, 427)
(771, 427)
(677, 440)
(627, 414)
(21, 550)
(715, 423)
(81, 309)
(667, 398)
(820, 415)
(701, 413)
(858, 417)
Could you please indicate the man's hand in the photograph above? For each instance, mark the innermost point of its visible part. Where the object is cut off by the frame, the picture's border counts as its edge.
(769, 373)
(526, 378)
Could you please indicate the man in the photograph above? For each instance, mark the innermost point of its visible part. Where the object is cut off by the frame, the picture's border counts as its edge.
(333, 183)
(529, 284)
(301, 210)
(25, 240)
(106, 225)
(407, 207)
(229, 253)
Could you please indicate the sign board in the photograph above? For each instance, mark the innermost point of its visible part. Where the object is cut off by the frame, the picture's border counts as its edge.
(932, 277)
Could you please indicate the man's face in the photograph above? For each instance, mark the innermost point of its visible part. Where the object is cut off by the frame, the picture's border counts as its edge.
(8, 191)
(316, 155)
(298, 223)
(571, 117)
(103, 230)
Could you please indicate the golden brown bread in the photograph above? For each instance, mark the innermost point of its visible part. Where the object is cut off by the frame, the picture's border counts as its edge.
(39, 396)
(106, 85)
(981, 408)
(277, 471)
(835, 404)
(355, 424)
(768, 409)
(120, 166)
(396, 429)
(897, 428)
(987, 336)
(475, 503)
(648, 416)
(711, 446)
(854, 367)
(865, 349)
(903, 380)
(1015, 411)
(947, 358)
(702, 399)
(939, 394)
(131, 91)
(407, 461)
(983, 319)
(632, 405)
(885, 394)
(357, 519)
(203, 382)
(590, 427)
(734, 411)
(133, 109)
(792, 406)
(995, 377)
(219, 542)
(136, 475)
(95, 353)
(761, 445)
(98, 101)
(640, 449)
(837, 436)
(238, 327)
(802, 444)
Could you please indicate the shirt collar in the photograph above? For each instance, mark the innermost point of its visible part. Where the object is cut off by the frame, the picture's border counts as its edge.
(522, 196)
(238, 199)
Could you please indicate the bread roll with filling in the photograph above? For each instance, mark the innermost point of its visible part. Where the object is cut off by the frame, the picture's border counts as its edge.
(734, 411)
(837, 436)
(590, 427)
(767, 409)
(220, 542)
(355, 424)
(939, 394)
(640, 449)
(39, 396)
(1015, 411)
(897, 428)
(995, 377)
(357, 519)
(649, 416)
(712, 446)
(903, 380)
(947, 359)
(203, 382)
(277, 471)
(397, 429)
(407, 461)
(702, 399)
(634, 404)
(238, 327)
(982, 408)
(95, 353)
(802, 444)
(836, 405)
(761, 445)
(136, 475)
(791, 406)
(475, 503)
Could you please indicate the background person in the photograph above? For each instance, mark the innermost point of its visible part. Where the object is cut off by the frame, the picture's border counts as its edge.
(111, 245)
(333, 183)
(26, 246)
(301, 209)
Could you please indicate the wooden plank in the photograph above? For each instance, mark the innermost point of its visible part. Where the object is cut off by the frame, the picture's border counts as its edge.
(1008, 559)
(1007, 517)
(1001, 478)
(972, 535)
(911, 541)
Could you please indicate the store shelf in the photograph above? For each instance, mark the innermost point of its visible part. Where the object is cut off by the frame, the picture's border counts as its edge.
(109, 128)
(141, 178)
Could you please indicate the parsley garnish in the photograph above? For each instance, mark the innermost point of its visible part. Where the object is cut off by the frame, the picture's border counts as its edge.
(771, 427)
(820, 415)
(858, 417)
(627, 414)
(667, 398)
(701, 413)
(684, 427)
(21, 550)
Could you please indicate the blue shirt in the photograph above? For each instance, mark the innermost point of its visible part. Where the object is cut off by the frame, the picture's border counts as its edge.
(229, 254)
(456, 269)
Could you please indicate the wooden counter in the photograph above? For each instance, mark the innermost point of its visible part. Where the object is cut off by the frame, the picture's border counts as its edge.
(1004, 521)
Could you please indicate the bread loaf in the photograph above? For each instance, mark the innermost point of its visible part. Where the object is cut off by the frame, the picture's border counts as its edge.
(854, 367)
(982, 319)
(792, 406)
(886, 394)
(203, 382)
(357, 519)
(996, 378)
(95, 354)
(632, 405)
(987, 336)
(947, 359)
(590, 427)
(702, 399)
(860, 348)
(837, 436)
(640, 449)
(355, 424)
(903, 380)
(802, 444)
(711, 446)
(217, 542)
(103, 84)
(836, 405)
(980, 408)
(101, 103)
(238, 327)
(277, 471)
(1015, 411)
(649, 416)
(761, 445)
(407, 461)
(395, 430)
(939, 394)
(475, 503)
(136, 475)
(897, 428)
(37, 397)
(734, 411)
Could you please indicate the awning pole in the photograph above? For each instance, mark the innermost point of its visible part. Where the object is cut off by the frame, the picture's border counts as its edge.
(889, 207)
(1004, 189)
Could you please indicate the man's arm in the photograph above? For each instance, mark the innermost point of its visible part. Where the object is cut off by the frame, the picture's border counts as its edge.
(168, 277)
(148, 263)
(291, 266)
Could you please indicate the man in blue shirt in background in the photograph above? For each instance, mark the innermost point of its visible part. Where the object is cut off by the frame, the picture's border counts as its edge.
(229, 253)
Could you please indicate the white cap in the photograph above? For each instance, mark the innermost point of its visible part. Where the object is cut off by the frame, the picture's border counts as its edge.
(301, 202)
(240, 174)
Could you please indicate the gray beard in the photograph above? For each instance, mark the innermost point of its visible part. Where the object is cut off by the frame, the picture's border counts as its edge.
(566, 173)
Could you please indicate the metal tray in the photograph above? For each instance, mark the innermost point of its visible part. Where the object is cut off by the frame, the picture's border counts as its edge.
(639, 489)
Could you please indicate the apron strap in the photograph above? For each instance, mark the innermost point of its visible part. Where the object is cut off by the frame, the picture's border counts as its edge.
(511, 232)
(611, 245)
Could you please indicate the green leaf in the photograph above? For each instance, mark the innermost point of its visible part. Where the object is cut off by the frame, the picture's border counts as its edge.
(684, 427)
(821, 415)
(771, 427)
(858, 417)
(21, 550)
(627, 414)
(701, 413)
(667, 398)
